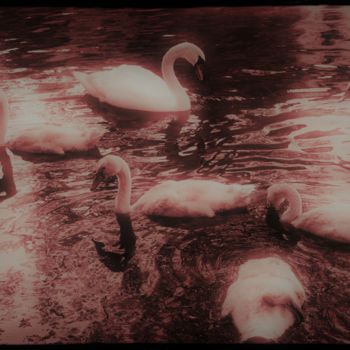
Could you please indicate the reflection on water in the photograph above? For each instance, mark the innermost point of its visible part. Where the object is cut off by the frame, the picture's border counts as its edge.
(270, 110)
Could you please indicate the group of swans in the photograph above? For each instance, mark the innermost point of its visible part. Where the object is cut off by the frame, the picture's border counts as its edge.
(267, 297)
(205, 198)
(127, 86)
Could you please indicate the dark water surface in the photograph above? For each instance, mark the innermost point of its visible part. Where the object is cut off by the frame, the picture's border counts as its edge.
(268, 112)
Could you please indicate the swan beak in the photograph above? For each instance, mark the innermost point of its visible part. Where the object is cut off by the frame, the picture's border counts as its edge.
(199, 69)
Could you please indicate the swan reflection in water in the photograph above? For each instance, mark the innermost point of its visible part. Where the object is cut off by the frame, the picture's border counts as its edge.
(7, 182)
(117, 261)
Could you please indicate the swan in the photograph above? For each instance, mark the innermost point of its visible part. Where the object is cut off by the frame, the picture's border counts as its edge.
(49, 138)
(328, 221)
(7, 182)
(185, 198)
(265, 300)
(135, 88)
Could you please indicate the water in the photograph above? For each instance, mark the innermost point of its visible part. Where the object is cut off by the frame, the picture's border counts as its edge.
(267, 112)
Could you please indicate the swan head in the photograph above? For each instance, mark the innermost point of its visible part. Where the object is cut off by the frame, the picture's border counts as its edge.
(194, 55)
(191, 53)
(106, 169)
(284, 199)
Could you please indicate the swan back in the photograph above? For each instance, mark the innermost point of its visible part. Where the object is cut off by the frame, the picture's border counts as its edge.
(278, 193)
(56, 139)
(330, 221)
(130, 87)
(265, 299)
(4, 116)
(192, 197)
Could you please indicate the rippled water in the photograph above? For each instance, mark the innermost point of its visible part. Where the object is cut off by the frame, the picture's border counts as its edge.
(269, 111)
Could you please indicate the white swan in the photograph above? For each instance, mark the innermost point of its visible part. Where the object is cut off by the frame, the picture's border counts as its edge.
(330, 221)
(49, 138)
(191, 198)
(265, 299)
(136, 88)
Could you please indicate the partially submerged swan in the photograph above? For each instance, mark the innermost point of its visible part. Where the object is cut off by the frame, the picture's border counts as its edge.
(185, 198)
(136, 88)
(265, 300)
(49, 138)
(7, 182)
(330, 221)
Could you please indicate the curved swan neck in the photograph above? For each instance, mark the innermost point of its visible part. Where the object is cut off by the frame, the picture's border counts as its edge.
(280, 193)
(4, 117)
(122, 199)
(169, 76)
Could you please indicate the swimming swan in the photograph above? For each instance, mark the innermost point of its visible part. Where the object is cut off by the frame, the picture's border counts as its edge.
(330, 221)
(265, 300)
(191, 198)
(136, 88)
(49, 139)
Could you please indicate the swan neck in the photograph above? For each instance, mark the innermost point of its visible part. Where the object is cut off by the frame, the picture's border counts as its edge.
(4, 117)
(122, 200)
(169, 76)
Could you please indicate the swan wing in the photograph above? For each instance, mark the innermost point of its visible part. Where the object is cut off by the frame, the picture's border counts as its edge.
(55, 139)
(193, 198)
(331, 221)
(130, 87)
(170, 198)
(215, 195)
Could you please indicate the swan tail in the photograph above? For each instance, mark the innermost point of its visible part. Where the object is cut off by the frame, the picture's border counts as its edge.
(81, 77)
(247, 194)
(84, 80)
(229, 302)
(94, 137)
(258, 195)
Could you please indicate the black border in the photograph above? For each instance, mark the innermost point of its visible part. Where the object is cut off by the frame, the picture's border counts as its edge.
(166, 3)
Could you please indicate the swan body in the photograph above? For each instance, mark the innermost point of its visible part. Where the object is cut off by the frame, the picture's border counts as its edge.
(265, 300)
(330, 221)
(136, 88)
(185, 198)
(55, 139)
(49, 138)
